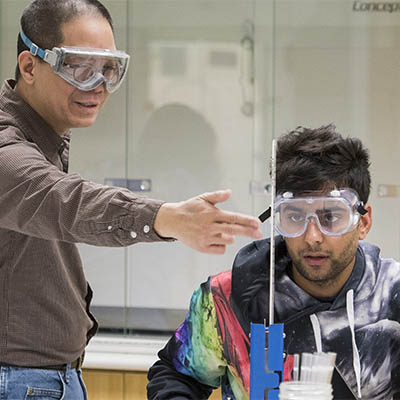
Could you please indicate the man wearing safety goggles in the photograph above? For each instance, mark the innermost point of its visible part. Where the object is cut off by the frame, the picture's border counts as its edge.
(311, 217)
(333, 291)
(84, 68)
(67, 67)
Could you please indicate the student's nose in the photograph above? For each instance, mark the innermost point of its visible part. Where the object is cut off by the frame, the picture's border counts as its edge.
(313, 234)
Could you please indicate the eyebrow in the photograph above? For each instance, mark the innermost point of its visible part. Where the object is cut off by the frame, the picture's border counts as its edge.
(298, 209)
(333, 209)
(292, 208)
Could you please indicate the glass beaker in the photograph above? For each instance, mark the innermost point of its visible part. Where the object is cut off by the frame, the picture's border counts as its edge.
(299, 390)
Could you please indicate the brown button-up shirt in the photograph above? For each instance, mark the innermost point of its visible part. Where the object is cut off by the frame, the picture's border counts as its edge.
(44, 211)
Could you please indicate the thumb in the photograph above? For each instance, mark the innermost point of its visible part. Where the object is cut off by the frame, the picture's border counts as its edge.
(217, 197)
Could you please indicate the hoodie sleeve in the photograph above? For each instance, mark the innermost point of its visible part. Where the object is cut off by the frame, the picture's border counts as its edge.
(191, 364)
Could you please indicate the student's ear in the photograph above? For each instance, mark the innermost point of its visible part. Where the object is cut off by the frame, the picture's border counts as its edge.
(27, 63)
(365, 223)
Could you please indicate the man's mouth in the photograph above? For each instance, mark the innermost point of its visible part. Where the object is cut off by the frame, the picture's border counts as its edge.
(315, 259)
(87, 104)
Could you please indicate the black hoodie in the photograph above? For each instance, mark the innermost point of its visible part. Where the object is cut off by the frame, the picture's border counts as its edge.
(211, 348)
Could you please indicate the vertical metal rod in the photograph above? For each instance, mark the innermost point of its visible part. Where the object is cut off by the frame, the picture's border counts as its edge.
(272, 245)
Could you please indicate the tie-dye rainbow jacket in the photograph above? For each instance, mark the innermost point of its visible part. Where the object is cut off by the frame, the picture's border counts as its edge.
(211, 348)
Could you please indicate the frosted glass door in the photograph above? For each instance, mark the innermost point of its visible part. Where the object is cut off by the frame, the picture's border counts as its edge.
(191, 128)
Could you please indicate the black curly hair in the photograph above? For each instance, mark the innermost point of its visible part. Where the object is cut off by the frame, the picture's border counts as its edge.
(321, 159)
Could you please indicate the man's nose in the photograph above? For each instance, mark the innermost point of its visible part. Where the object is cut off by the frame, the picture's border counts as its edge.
(313, 234)
(100, 88)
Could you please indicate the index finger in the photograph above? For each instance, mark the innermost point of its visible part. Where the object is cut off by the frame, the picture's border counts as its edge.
(238, 219)
(226, 231)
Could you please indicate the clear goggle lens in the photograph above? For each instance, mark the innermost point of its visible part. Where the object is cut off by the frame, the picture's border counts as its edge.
(88, 71)
(335, 214)
(85, 71)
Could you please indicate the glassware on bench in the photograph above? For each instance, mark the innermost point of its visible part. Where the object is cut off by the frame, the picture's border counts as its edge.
(298, 390)
(312, 375)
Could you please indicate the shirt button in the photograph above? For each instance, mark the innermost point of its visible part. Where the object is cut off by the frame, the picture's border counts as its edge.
(133, 235)
(146, 229)
(109, 227)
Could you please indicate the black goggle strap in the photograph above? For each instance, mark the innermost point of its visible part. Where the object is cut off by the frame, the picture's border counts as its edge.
(267, 213)
(360, 208)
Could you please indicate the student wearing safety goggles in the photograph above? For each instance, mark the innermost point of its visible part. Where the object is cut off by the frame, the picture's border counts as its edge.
(68, 65)
(333, 291)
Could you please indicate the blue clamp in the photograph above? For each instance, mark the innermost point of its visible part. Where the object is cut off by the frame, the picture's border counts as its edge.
(260, 379)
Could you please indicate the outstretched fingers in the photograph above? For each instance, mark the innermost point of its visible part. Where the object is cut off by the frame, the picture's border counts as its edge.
(233, 224)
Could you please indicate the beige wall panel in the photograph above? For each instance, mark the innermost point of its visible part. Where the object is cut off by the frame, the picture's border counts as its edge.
(112, 385)
(104, 385)
(135, 386)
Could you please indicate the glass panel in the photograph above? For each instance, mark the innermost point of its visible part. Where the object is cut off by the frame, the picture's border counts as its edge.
(183, 123)
(190, 130)
(338, 61)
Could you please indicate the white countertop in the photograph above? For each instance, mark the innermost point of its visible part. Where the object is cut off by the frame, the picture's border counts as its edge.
(135, 353)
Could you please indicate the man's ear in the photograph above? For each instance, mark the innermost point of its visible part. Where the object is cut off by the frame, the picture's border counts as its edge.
(27, 63)
(365, 223)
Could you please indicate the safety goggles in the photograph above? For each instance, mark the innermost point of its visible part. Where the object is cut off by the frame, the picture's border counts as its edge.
(84, 68)
(335, 213)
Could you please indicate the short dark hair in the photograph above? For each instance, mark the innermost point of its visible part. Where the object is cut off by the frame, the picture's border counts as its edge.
(41, 21)
(321, 159)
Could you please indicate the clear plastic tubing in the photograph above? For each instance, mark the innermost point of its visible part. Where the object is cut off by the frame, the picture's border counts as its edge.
(298, 390)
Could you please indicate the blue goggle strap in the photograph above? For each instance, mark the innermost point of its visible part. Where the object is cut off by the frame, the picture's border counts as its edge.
(33, 48)
(49, 56)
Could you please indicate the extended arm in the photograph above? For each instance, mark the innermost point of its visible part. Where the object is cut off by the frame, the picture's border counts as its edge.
(38, 199)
